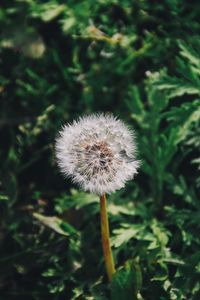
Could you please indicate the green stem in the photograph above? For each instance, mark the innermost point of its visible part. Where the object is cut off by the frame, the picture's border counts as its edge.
(110, 268)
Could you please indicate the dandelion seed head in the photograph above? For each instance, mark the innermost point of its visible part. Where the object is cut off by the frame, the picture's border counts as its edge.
(98, 153)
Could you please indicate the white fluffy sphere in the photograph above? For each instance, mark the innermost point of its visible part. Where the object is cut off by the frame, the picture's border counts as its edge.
(98, 153)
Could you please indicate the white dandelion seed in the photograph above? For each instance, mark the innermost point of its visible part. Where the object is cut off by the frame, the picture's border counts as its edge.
(98, 153)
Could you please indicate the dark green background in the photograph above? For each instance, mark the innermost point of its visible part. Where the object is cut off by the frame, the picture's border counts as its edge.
(139, 60)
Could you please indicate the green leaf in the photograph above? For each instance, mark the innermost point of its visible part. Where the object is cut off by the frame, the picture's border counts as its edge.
(127, 282)
(190, 54)
(47, 11)
(160, 233)
(124, 234)
(56, 224)
(3, 197)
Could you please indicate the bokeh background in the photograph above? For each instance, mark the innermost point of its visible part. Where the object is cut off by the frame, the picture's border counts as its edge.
(139, 60)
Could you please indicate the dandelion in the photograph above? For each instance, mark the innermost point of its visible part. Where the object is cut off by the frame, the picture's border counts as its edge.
(98, 153)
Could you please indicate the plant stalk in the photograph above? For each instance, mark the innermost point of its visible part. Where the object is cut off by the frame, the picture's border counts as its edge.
(105, 235)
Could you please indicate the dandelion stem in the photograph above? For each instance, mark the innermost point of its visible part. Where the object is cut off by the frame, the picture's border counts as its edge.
(110, 268)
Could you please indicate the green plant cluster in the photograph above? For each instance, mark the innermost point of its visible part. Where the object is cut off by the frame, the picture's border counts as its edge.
(139, 60)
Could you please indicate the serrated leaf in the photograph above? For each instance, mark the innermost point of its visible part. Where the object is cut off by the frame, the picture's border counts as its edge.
(127, 282)
(190, 54)
(124, 234)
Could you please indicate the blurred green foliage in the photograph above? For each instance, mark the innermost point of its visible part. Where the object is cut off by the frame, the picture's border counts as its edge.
(141, 61)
